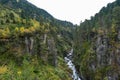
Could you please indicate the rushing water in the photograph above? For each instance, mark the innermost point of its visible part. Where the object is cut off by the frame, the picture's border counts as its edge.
(68, 60)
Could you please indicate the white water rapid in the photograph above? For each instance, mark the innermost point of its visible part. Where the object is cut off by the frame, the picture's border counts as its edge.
(71, 65)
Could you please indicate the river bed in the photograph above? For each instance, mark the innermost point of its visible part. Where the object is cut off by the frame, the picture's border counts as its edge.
(68, 60)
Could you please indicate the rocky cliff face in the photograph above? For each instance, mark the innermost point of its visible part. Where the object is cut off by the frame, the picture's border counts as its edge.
(97, 45)
(107, 56)
(100, 59)
(33, 45)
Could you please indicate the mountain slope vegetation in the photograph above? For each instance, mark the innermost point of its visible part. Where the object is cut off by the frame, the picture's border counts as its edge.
(32, 43)
(97, 43)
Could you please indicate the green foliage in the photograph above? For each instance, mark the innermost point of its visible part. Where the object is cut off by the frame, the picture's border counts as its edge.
(31, 67)
(20, 20)
(104, 26)
(116, 14)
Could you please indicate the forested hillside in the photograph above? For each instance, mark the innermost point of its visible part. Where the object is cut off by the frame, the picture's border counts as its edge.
(32, 43)
(97, 45)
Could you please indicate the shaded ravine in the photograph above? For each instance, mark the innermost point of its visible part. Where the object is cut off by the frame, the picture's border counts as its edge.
(68, 60)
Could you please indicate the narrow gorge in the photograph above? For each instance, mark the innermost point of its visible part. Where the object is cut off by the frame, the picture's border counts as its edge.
(68, 60)
(36, 46)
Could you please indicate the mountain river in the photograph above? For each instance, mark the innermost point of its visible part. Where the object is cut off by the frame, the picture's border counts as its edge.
(68, 60)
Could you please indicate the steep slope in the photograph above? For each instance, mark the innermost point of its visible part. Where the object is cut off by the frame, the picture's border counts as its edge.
(28, 16)
(32, 42)
(31, 11)
(97, 44)
(28, 10)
